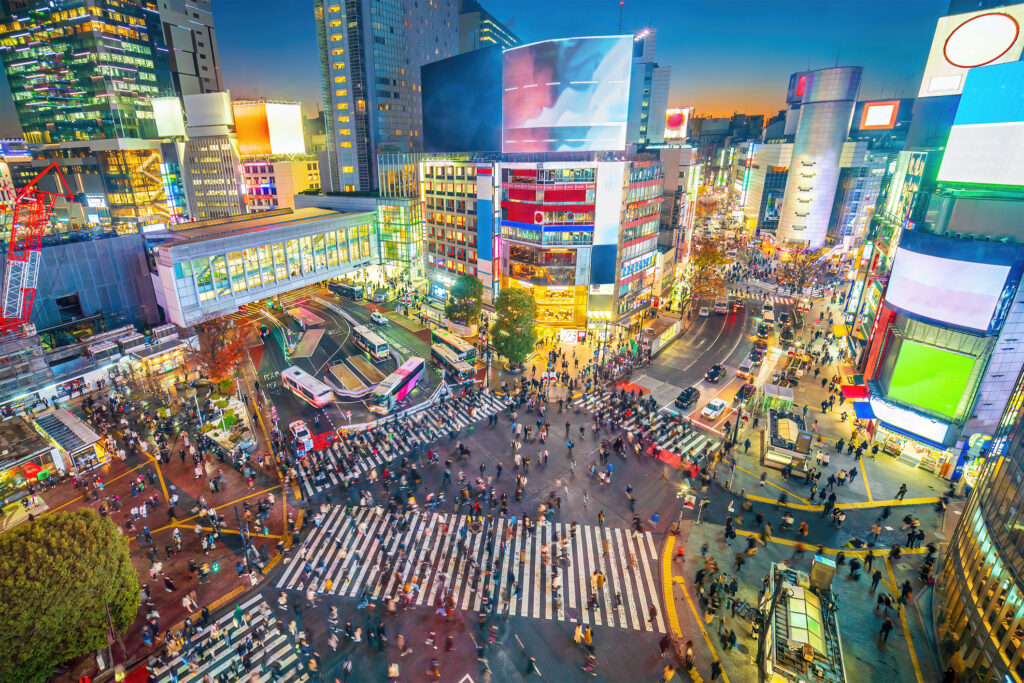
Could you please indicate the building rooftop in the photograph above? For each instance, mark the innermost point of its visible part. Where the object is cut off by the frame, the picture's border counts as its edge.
(67, 431)
(246, 224)
(19, 442)
(787, 431)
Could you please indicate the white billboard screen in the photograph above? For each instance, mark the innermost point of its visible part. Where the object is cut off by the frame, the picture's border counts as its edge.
(570, 94)
(960, 293)
(285, 124)
(972, 39)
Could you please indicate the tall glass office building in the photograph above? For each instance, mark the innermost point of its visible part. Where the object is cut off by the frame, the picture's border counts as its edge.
(980, 614)
(84, 69)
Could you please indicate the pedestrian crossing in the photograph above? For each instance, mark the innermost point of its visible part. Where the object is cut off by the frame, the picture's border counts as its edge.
(220, 657)
(667, 428)
(438, 560)
(761, 296)
(348, 458)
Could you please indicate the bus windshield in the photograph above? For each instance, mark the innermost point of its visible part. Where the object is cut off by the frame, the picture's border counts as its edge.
(460, 370)
(371, 342)
(396, 386)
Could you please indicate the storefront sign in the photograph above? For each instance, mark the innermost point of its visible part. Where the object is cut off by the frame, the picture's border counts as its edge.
(69, 388)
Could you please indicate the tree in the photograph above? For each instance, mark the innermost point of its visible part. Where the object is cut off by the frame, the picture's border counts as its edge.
(514, 333)
(804, 268)
(465, 299)
(58, 576)
(706, 279)
(217, 349)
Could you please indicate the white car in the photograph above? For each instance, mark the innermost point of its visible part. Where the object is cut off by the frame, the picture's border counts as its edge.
(714, 409)
(704, 312)
(302, 434)
(378, 318)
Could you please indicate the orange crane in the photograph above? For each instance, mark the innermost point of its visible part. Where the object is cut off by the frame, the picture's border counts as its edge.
(31, 208)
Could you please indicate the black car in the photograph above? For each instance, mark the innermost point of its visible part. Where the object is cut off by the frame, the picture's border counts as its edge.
(715, 374)
(756, 357)
(687, 397)
(786, 336)
(763, 331)
(783, 318)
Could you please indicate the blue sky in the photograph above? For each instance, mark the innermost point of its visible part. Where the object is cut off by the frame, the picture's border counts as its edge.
(726, 55)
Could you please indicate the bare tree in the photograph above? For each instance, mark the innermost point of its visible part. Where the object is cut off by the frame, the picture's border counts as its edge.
(216, 349)
(804, 268)
(706, 262)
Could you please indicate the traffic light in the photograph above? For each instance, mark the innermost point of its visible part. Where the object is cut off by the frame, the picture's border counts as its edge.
(215, 567)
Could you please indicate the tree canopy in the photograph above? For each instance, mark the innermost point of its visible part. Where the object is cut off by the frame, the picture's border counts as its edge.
(56, 575)
(514, 332)
(217, 349)
(465, 300)
(706, 261)
(804, 268)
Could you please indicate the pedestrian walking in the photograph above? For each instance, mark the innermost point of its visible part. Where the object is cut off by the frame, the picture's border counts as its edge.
(902, 492)
(883, 633)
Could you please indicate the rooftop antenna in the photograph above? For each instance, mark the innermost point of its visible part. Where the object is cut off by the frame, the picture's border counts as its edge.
(621, 3)
(837, 57)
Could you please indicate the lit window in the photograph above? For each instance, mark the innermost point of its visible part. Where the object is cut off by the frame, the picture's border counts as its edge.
(338, 51)
(344, 131)
(339, 79)
(342, 119)
(347, 169)
(339, 65)
(336, 37)
(334, 8)
(336, 23)
(343, 105)
(345, 145)
(341, 93)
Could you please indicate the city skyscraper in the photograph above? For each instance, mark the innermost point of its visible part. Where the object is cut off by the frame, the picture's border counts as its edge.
(84, 69)
(479, 28)
(192, 44)
(371, 52)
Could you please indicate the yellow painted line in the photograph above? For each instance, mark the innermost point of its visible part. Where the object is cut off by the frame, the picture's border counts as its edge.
(849, 552)
(700, 624)
(666, 584)
(786, 491)
(906, 629)
(105, 485)
(295, 489)
(273, 562)
(180, 522)
(864, 477)
(298, 525)
(859, 505)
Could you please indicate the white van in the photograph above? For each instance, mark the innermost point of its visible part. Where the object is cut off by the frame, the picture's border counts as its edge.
(745, 369)
(722, 307)
(768, 314)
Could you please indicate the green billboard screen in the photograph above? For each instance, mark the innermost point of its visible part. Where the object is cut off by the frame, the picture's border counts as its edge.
(929, 377)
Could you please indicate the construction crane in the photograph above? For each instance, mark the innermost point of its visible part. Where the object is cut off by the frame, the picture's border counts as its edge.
(29, 212)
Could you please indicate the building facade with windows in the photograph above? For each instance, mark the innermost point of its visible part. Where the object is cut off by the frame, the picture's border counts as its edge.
(479, 28)
(371, 52)
(273, 183)
(67, 85)
(210, 268)
(192, 45)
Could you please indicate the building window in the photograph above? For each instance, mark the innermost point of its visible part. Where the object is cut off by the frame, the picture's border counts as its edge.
(341, 93)
(338, 51)
(347, 169)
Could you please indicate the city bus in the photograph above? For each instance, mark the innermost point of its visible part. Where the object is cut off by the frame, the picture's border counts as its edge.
(307, 387)
(460, 370)
(396, 386)
(370, 342)
(462, 348)
(354, 292)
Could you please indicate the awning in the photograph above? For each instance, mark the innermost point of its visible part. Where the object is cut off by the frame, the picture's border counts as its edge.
(863, 410)
(855, 390)
(841, 330)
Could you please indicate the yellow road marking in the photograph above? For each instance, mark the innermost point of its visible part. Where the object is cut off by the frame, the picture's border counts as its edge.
(666, 582)
(105, 485)
(879, 552)
(864, 476)
(786, 491)
(698, 618)
(180, 522)
(219, 602)
(906, 629)
(859, 505)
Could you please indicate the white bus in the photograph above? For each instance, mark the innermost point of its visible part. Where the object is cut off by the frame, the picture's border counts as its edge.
(307, 387)
(396, 386)
(459, 370)
(462, 348)
(371, 342)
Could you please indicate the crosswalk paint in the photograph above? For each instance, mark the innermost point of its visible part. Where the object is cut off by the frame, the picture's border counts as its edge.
(356, 537)
(762, 296)
(681, 442)
(424, 427)
(218, 656)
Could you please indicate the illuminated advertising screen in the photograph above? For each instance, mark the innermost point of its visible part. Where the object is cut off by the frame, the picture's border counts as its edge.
(677, 122)
(879, 115)
(909, 421)
(170, 119)
(265, 128)
(930, 378)
(988, 130)
(906, 181)
(966, 41)
(570, 94)
(960, 283)
(462, 102)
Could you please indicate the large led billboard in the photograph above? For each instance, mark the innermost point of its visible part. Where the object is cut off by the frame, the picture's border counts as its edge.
(930, 378)
(965, 41)
(266, 128)
(986, 143)
(462, 102)
(879, 115)
(570, 94)
(959, 283)
(677, 123)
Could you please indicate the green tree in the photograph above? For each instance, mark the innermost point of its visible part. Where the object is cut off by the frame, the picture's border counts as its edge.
(706, 262)
(465, 299)
(57, 574)
(514, 333)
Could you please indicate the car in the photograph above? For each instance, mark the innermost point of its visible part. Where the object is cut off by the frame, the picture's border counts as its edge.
(687, 397)
(756, 357)
(715, 374)
(743, 395)
(704, 312)
(783, 318)
(303, 437)
(378, 318)
(714, 409)
(763, 331)
(745, 369)
(786, 336)
(768, 307)
(737, 304)
(721, 307)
